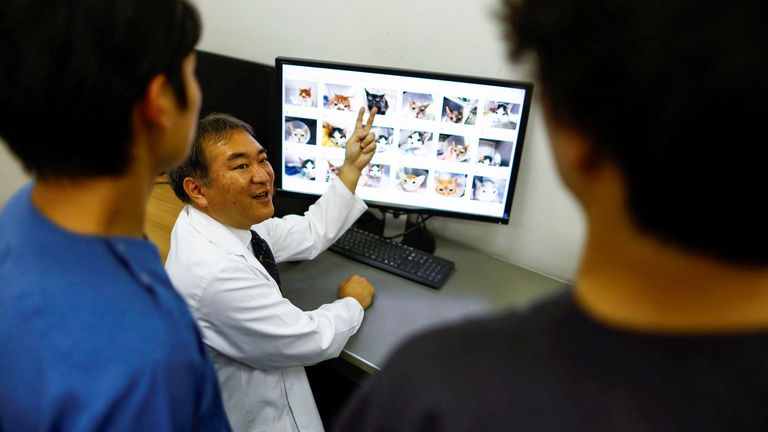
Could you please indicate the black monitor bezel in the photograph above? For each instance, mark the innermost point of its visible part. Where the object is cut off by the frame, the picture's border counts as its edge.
(515, 163)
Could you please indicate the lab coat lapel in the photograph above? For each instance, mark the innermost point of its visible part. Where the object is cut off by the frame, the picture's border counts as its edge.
(218, 234)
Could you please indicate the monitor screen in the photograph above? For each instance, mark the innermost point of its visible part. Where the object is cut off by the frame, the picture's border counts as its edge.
(446, 145)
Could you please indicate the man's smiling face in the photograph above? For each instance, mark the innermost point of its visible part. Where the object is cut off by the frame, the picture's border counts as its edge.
(242, 181)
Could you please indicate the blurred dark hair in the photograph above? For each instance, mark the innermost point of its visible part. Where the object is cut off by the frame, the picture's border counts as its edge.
(675, 92)
(213, 129)
(71, 72)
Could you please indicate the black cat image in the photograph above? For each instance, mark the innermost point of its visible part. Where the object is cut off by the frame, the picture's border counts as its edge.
(378, 100)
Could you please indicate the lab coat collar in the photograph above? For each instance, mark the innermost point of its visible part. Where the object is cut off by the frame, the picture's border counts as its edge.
(232, 240)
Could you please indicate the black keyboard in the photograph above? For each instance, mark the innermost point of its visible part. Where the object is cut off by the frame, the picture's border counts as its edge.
(397, 258)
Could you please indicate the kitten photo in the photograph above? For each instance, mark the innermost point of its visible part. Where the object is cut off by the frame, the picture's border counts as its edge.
(500, 114)
(376, 99)
(299, 130)
(297, 133)
(411, 182)
(494, 153)
(374, 176)
(305, 97)
(447, 188)
(416, 105)
(450, 185)
(333, 170)
(414, 143)
(454, 149)
(383, 138)
(334, 136)
(308, 169)
(300, 93)
(459, 110)
(339, 103)
(488, 190)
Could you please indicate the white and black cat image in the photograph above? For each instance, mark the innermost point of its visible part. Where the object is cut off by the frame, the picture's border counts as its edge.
(383, 138)
(377, 100)
(501, 114)
(415, 143)
(308, 169)
(371, 176)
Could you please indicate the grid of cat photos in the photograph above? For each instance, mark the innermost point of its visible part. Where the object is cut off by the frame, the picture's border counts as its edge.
(439, 144)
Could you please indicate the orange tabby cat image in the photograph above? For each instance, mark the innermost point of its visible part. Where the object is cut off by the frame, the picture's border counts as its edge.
(340, 103)
(447, 187)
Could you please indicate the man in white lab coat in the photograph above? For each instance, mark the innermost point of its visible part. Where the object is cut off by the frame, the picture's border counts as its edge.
(224, 247)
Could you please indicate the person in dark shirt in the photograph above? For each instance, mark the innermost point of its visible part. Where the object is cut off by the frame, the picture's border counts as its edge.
(655, 115)
(96, 99)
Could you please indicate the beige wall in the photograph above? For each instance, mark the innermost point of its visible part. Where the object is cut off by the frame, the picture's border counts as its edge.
(11, 175)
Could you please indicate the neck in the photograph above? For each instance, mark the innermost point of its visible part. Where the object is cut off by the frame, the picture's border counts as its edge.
(630, 280)
(105, 206)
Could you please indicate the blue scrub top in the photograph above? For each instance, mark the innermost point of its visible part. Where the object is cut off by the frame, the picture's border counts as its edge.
(93, 336)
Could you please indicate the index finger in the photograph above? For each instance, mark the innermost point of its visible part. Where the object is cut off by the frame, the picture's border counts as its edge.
(359, 122)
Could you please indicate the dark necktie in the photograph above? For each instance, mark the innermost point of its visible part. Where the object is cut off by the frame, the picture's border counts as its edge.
(263, 253)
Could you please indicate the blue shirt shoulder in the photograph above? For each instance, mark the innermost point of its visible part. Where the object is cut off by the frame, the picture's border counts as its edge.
(94, 336)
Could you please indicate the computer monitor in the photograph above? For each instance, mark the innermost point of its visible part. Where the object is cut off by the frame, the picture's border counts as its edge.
(447, 145)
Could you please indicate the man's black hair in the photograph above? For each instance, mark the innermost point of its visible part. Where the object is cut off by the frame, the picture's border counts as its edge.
(71, 72)
(675, 92)
(215, 128)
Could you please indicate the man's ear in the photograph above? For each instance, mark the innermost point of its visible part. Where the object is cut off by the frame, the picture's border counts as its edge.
(158, 102)
(195, 192)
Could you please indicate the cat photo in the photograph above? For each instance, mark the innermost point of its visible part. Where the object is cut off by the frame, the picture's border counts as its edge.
(377, 98)
(334, 135)
(332, 169)
(414, 143)
(452, 148)
(300, 93)
(488, 189)
(412, 180)
(296, 166)
(383, 138)
(339, 98)
(494, 153)
(308, 169)
(450, 185)
(299, 130)
(293, 165)
(418, 106)
(374, 176)
(501, 114)
(459, 110)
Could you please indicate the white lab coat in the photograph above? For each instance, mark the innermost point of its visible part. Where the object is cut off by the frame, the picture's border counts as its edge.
(258, 339)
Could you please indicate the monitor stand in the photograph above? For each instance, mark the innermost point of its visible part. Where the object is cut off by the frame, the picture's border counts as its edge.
(415, 236)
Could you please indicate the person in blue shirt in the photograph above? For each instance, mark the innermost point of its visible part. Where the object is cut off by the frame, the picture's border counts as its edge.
(96, 99)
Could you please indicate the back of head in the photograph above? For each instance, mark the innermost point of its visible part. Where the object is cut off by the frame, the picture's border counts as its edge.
(213, 129)
(71, 72)
(674, 92)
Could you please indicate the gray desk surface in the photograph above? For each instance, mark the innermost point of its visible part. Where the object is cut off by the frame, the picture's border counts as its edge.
(479, 285)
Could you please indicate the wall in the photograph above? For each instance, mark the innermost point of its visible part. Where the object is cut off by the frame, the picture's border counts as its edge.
(11, 174)
(546, 231)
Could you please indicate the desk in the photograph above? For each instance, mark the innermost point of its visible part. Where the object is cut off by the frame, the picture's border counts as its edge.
(479, 285)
